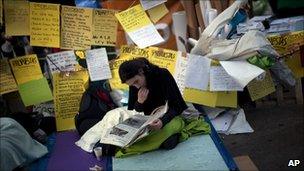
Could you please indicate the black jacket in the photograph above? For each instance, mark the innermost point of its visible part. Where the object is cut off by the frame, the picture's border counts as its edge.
(162, 87)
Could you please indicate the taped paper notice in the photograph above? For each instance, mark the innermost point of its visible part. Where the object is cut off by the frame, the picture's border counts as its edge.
(139, 27)
(7, 81)
(17, 17)
(98, 64)
(68, 91)
(104, 27)
(44, 25)
(76, 28)
(26, 68)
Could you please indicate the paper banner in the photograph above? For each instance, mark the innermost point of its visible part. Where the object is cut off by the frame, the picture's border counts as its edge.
(221, 81)
(259, 88)
(133, 51)
(212, 99)
(98, 64)
(148, 4)
(17, 17)
(44, 25)
(7, 81)
(158, 12)
(35, 92)
(164, 58)
(68, 91)
(76, 28)
(62, 61)
(197, 76)
(139, 27)
(104, 27)
(241, 71)
(26, 68)
(287, 43)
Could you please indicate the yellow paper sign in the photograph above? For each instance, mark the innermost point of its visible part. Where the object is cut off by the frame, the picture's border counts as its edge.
(158, 12)
(133, 18)
(260, 88)
(44, 25)
(76, 28)
(26, 68)
(212, 99)
(286, 43)
(164, 58)
(7, 81)
(294, 63)
(17, 21)
(68, 90)
(35, 92)
(104, 27)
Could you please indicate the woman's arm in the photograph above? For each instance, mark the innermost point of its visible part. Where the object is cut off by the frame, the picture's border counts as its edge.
(175, 100)
(133, 103)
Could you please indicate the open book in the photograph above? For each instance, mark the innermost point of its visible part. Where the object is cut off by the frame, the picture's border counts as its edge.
(132, 129)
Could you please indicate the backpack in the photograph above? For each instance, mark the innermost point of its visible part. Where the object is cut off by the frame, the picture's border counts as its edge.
(95, 103)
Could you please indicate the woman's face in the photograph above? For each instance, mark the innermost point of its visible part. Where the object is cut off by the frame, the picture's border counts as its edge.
(137, 81)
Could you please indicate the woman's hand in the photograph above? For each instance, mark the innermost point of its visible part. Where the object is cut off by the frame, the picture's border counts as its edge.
(156, 125)
(142, 95)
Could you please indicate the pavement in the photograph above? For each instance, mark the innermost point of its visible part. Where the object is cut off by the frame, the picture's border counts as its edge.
(278, 137)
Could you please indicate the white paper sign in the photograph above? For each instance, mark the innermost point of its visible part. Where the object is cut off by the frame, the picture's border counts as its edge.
(148, 4)
(180, 71)
(221, 81)
(146, 36)
(198, 72)
(242, 71)
(62, 61)
(98, 64)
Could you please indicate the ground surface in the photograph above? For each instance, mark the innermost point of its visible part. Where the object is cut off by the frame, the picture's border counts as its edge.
(277, 138)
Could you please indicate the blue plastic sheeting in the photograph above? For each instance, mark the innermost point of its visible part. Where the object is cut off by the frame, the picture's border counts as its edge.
(197, 153)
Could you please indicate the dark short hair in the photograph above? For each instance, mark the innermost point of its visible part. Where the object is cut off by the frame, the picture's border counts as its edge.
(129, 69)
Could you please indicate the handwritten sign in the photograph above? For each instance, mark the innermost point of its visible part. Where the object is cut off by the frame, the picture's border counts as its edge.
(44, 25)
(180, 70)
(259, 88)
(287, 43)
(7, 81)
(17, 17)
(35, 91)
(198, 72)
(158, 12)
(164, 58)
(139, 27)
(76, 28)
(68, 91)
(104, 27)
(221, 81)
(98, 64)
(62, 61)
(26, 68)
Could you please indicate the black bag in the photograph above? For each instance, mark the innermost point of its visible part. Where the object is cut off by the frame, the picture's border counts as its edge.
(95, 103)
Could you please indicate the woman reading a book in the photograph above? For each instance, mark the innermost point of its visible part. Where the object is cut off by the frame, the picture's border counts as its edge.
(150, 87)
